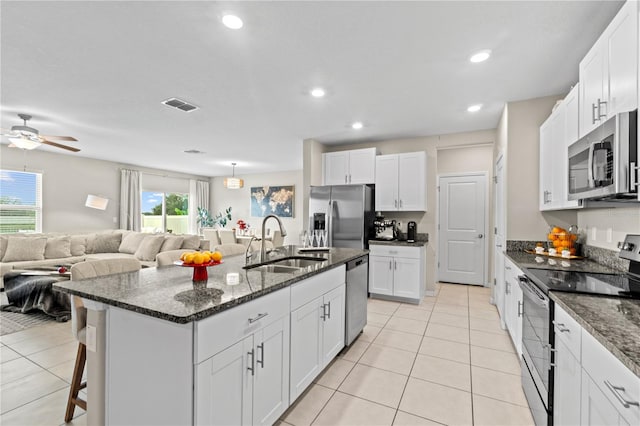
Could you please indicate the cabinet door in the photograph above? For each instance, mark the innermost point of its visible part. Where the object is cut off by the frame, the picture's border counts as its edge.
(591, 87)
(571, 131)
(386, 182)
(336, 168)
(381, 275)
(406, 277)
(224, 386)
(333, 324)
(622, 48)
(271, 380)
(596, 410)
(362, 166)
(517, 330)
(557, 154)
(546, 164)
(412, 183)
(566, 388)
(306, 343)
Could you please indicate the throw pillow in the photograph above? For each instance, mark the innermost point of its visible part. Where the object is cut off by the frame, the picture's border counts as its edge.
(104, 243)
(149, 248)
(172, 243)
(57, 247)
(78, 245)
(191, 242)
(19, 249)
(131, 241)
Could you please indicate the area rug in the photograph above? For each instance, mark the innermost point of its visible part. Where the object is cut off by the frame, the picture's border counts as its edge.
(11, 322)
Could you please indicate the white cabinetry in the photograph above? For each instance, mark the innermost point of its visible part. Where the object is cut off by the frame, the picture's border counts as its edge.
(556, 134)
(397, 272)
(591, 386)
(401, 182)
(246, 382)
(513, 303)
(608, 73)
(349, 167)
(317, 327)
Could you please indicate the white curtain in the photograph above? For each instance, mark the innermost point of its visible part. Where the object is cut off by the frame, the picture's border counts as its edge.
(198, 197)
(130, 209)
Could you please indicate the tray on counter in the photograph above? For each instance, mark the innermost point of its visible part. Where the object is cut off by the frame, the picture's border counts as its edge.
(546, 253)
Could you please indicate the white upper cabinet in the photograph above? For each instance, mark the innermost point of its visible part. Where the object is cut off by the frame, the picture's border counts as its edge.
(401, 182)
(609, 72)
(357, 166)
(556, 134)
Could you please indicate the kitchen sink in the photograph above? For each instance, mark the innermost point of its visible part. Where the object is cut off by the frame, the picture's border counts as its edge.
(288, 264)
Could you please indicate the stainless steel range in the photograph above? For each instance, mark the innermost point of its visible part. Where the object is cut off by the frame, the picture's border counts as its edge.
(538, 310)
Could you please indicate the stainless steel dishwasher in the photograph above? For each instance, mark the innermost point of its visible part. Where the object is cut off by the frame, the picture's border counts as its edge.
(356, 301)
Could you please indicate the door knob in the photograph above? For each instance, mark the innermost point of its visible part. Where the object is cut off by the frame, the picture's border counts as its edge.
(480, 235)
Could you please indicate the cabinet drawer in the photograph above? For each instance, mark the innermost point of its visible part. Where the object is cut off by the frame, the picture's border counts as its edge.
(228, 327)
(567, 330)
(611, 376)
(314, 287)
(395, 251)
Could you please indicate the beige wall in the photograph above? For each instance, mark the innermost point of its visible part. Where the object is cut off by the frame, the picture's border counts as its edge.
(239, 201)
(609, 225)
(524, 221)
(432, 145)
(66, 182)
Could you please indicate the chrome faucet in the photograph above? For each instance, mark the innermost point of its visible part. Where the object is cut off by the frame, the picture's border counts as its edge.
(247, 255)
(283, 232)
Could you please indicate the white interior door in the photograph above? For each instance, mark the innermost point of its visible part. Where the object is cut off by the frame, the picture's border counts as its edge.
(462, 248)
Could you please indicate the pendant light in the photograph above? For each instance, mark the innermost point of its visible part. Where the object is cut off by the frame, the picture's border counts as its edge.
(233, 182)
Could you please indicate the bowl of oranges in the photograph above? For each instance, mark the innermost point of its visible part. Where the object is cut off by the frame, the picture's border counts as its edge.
(199, 261)
(562, 240)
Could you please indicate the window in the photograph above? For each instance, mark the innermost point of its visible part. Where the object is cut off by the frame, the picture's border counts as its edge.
(165, 212)
(20, 202)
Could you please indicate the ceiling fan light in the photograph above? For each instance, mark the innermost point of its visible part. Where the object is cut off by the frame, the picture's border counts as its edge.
(24, 143)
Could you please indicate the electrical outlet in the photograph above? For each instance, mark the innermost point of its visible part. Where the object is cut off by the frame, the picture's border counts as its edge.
(399, 223)
(594, 233)
(91, 338)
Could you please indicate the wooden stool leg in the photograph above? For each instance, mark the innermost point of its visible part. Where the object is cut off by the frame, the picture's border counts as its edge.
(76, 384)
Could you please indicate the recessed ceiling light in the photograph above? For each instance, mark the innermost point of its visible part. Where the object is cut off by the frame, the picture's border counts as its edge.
(232, 21)
(193, 151)
(480, 56)
(357, 125)
(475, 108)
(318, 92)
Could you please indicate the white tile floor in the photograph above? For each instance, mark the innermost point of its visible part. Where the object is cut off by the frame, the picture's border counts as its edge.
(445, 361)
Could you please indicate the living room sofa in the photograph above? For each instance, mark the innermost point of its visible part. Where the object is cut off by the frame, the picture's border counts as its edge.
(29, 251)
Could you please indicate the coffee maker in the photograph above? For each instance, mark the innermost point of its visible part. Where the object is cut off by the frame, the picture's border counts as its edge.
(385, 228)
(412, 232)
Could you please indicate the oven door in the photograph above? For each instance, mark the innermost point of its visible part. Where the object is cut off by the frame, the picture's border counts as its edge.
(536, 348)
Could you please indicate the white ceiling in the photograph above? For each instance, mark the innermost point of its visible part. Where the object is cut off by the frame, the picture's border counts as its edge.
(99, 70)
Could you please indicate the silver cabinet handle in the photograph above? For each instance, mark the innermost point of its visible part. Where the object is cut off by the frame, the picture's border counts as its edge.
(395, 203)
(261, 360)
(633, 172)
(349, 178)
(390, 265)
(258, 317)
(508, 268)
(329, 310)
(615, 390)
(562, 328)
(593, 113)
(555, 357)
(393, 251)
(507, 289)
(400, 203)
(324, 312)
(520, 306)
(251, 364)
(395, 265)
(600, 114)
(345, 179)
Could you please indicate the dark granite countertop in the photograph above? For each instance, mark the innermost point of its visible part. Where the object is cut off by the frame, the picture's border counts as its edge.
(168, 292)
(613, 321)
(398, 243)
(526, 260)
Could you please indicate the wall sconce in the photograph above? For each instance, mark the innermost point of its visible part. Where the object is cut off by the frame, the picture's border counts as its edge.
(96, 202)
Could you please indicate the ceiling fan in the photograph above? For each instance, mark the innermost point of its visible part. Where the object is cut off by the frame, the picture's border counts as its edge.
(26, 137)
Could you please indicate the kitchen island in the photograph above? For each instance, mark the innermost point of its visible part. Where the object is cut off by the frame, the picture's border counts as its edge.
(238, 352)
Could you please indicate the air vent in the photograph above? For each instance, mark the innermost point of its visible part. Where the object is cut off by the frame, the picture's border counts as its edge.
(180, 104)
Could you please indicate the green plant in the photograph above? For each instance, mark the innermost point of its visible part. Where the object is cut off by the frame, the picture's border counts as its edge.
(204, 218)
(222, 218)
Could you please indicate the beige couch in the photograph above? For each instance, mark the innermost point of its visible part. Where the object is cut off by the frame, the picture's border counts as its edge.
(28, 251)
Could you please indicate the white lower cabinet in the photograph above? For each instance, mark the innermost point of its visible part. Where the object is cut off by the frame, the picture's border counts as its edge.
(397, 271)
(246, 383)
(566, 405)
(596, 410)
(513, 303)
(317, 328)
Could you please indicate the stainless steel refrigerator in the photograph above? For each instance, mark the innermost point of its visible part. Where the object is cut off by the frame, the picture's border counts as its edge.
(345, 211)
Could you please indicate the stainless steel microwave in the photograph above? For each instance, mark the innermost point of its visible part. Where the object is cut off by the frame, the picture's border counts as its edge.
(603, 165)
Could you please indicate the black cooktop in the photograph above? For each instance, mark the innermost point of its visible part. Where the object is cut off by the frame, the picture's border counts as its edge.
(622, 285)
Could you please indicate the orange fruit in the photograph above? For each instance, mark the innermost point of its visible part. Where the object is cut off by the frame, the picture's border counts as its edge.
(551, 236)
(216, 256)
(188, 259)
(206, 257)
(556, 230)
(198, 259)
(183, 255)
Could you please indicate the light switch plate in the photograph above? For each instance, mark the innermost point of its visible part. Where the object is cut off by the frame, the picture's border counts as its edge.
(91, 338)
